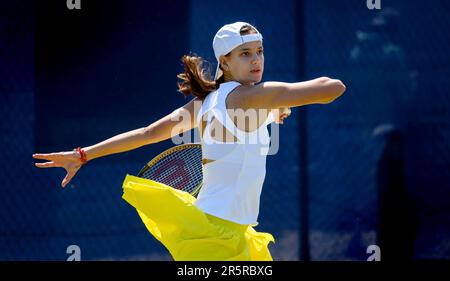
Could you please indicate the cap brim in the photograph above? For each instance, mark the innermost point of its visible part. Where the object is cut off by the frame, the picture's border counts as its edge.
(219, 72)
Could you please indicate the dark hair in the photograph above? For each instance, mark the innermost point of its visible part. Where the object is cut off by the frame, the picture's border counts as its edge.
(195, 79)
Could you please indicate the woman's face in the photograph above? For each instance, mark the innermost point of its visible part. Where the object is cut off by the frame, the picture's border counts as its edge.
(245, 63)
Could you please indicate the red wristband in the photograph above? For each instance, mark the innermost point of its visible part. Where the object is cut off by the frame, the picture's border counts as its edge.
(82, 153)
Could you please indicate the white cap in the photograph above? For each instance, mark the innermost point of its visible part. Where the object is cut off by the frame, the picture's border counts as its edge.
(228, 37)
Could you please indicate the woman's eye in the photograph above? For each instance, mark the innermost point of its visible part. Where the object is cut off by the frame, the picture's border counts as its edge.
(260, 51)
(245, 53)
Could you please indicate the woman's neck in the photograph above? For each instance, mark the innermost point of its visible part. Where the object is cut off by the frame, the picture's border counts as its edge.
(228, 78)
(240, 82)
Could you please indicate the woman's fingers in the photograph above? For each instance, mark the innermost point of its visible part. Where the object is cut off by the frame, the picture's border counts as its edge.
(68, 178)
(282, 117)
(65, 181)
(46, 156)
(56, 160)
(40, 156)
(287, 112)
(45, 165)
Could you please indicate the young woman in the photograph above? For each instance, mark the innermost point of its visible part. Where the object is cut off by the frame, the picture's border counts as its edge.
(219, 223)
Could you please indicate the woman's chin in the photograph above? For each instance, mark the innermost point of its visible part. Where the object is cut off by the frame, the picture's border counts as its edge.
(253, 80)
(256, 79)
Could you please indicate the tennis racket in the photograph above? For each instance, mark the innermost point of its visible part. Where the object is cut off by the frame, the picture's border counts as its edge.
(179, 167)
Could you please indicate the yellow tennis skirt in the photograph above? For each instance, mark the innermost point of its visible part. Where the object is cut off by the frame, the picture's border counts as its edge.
(187, 232)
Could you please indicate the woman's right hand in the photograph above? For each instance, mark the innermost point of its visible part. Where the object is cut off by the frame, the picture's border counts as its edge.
(69, 160)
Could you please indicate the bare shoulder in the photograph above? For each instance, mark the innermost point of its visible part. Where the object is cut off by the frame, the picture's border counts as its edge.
(234, 99)
(191, 108)
(237, 103)
(253, 96)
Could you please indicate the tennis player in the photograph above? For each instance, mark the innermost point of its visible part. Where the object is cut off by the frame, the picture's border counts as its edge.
(219, 223)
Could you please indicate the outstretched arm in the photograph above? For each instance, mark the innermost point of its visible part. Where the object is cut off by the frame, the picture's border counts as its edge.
(180, 120)
(321, 90)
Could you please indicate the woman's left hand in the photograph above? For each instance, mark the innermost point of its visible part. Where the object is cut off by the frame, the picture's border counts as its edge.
(280, 114)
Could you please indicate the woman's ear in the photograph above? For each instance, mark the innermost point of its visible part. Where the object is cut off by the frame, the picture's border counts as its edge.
(223, 64)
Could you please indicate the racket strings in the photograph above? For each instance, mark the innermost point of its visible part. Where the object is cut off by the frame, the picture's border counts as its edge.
(181, 169)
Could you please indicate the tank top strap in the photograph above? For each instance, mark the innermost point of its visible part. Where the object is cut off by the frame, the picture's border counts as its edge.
(208, 103)
(215, 103)
(270, 119)
(221, 113)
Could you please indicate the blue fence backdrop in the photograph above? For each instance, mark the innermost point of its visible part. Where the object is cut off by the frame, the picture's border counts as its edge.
(371, 168)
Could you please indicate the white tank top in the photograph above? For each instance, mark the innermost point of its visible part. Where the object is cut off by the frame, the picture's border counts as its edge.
(232, 183)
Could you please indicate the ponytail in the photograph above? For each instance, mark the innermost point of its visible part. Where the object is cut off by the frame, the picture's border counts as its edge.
(195, 79)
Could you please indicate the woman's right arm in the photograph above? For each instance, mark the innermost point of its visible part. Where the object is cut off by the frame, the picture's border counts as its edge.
(71, 162)
(177, 122)
(180, 120)
(322, 90)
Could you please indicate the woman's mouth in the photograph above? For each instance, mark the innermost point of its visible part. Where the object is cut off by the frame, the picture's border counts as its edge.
(255, 71)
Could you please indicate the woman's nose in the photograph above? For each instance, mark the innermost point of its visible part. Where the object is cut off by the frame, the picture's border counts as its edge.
(256, 58)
